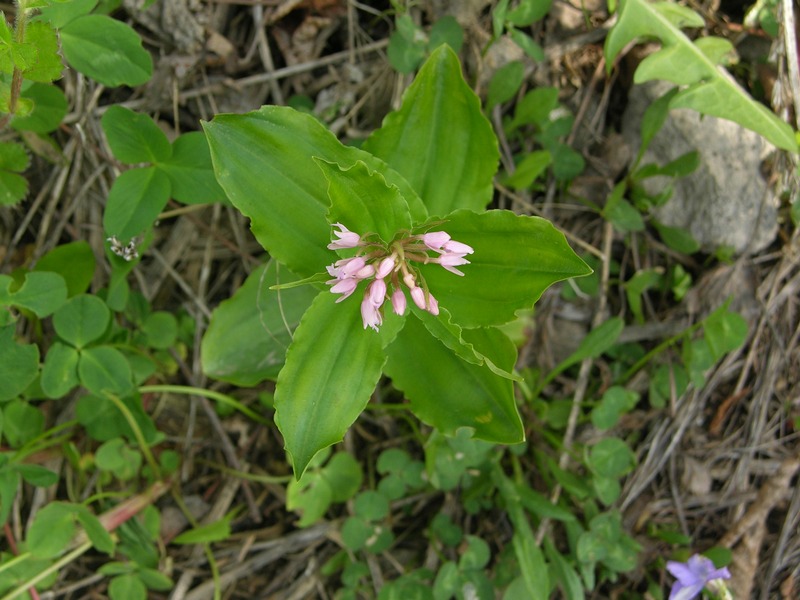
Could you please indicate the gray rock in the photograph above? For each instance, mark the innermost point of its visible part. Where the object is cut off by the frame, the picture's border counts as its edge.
(726, 201)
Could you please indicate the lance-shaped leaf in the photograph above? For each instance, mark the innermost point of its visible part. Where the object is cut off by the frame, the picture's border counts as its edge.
(249, 333)
(135, 201)
(264, 162)
(332, 367)
(516, 258)
(439, 139)
(711, 90)
(362, 202)
(449, 393)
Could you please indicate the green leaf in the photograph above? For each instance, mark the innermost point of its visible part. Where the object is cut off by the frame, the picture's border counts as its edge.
(343, 473)
(363, 202)
(615, 402)
(529, 46)
(677, 238)
(505, 83)
(451, 394)
(516, 258)
(13, 187)
(106, 50)
(95, 531)
(136, 199)
(204, 534)
(528, 12)
(47, 65)
(371, 505)
(611, 457)
(74, 261)
(446, 31)
(118, 458)
(161, 329)
(264, 162)
(332, 367)
(19, 364)
(49, 108)
(60, 370)
(529, 169)
(22, 423)
(155, 580)
(406, 45)
(82, 320)
(134, 138)
(667, 379)
(724, 331)
(637, 285)
(621, 213)
(568, 578)
(246, 340)
(103, 420)
(104, 369)
(439, 139)
(52, 529)
(127, 587)
(58, 14)
(535, 107)
(190, 170)
(9, 482)
(709, 91)
(41, 293)
(443, 329)
(13, 159)
(36, 475)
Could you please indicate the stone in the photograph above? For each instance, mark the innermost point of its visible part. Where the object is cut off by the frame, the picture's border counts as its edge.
(725, 202)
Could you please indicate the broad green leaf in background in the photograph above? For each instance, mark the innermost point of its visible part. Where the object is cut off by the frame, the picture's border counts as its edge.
(49, 109)
(136, 199)
(74, 261)
(13, 160)
(264, 161)
(103, 420)
(19, 364)
(133, 137)
(82, 320)
(724, 331)
(190, 170)
(52, 530)
(710, 91)
(41, 293)
(361, 200)
(246, 340)
(529, 169)
(106, 50)
(439, 140)
(128, 587)
(611, 457)
(516, 258)
(528, 12)
(213, 532)
(449, 393)
(616, 401)
(332, 367)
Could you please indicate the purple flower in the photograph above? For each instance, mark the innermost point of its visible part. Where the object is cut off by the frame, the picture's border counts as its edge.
(457, 247)
(451, 260)
(347, 239)
(693, 576)
(385, 267)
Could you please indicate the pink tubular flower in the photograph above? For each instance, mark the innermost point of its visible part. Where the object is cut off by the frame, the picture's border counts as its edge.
(385, 267)
(399, 302)
(435, 239)
(370, 314)
(450, 261)
(392, 267)
(377, 292)
(457, 247)
(347, 239)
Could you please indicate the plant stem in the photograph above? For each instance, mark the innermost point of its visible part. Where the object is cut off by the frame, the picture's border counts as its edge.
(218, 396)
(55, 567)
(137, 433)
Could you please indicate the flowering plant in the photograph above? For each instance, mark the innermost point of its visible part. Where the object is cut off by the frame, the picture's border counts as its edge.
(695, 574)
(402, 215)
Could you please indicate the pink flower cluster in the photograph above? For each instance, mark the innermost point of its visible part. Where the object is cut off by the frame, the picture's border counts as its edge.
(391, 268)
